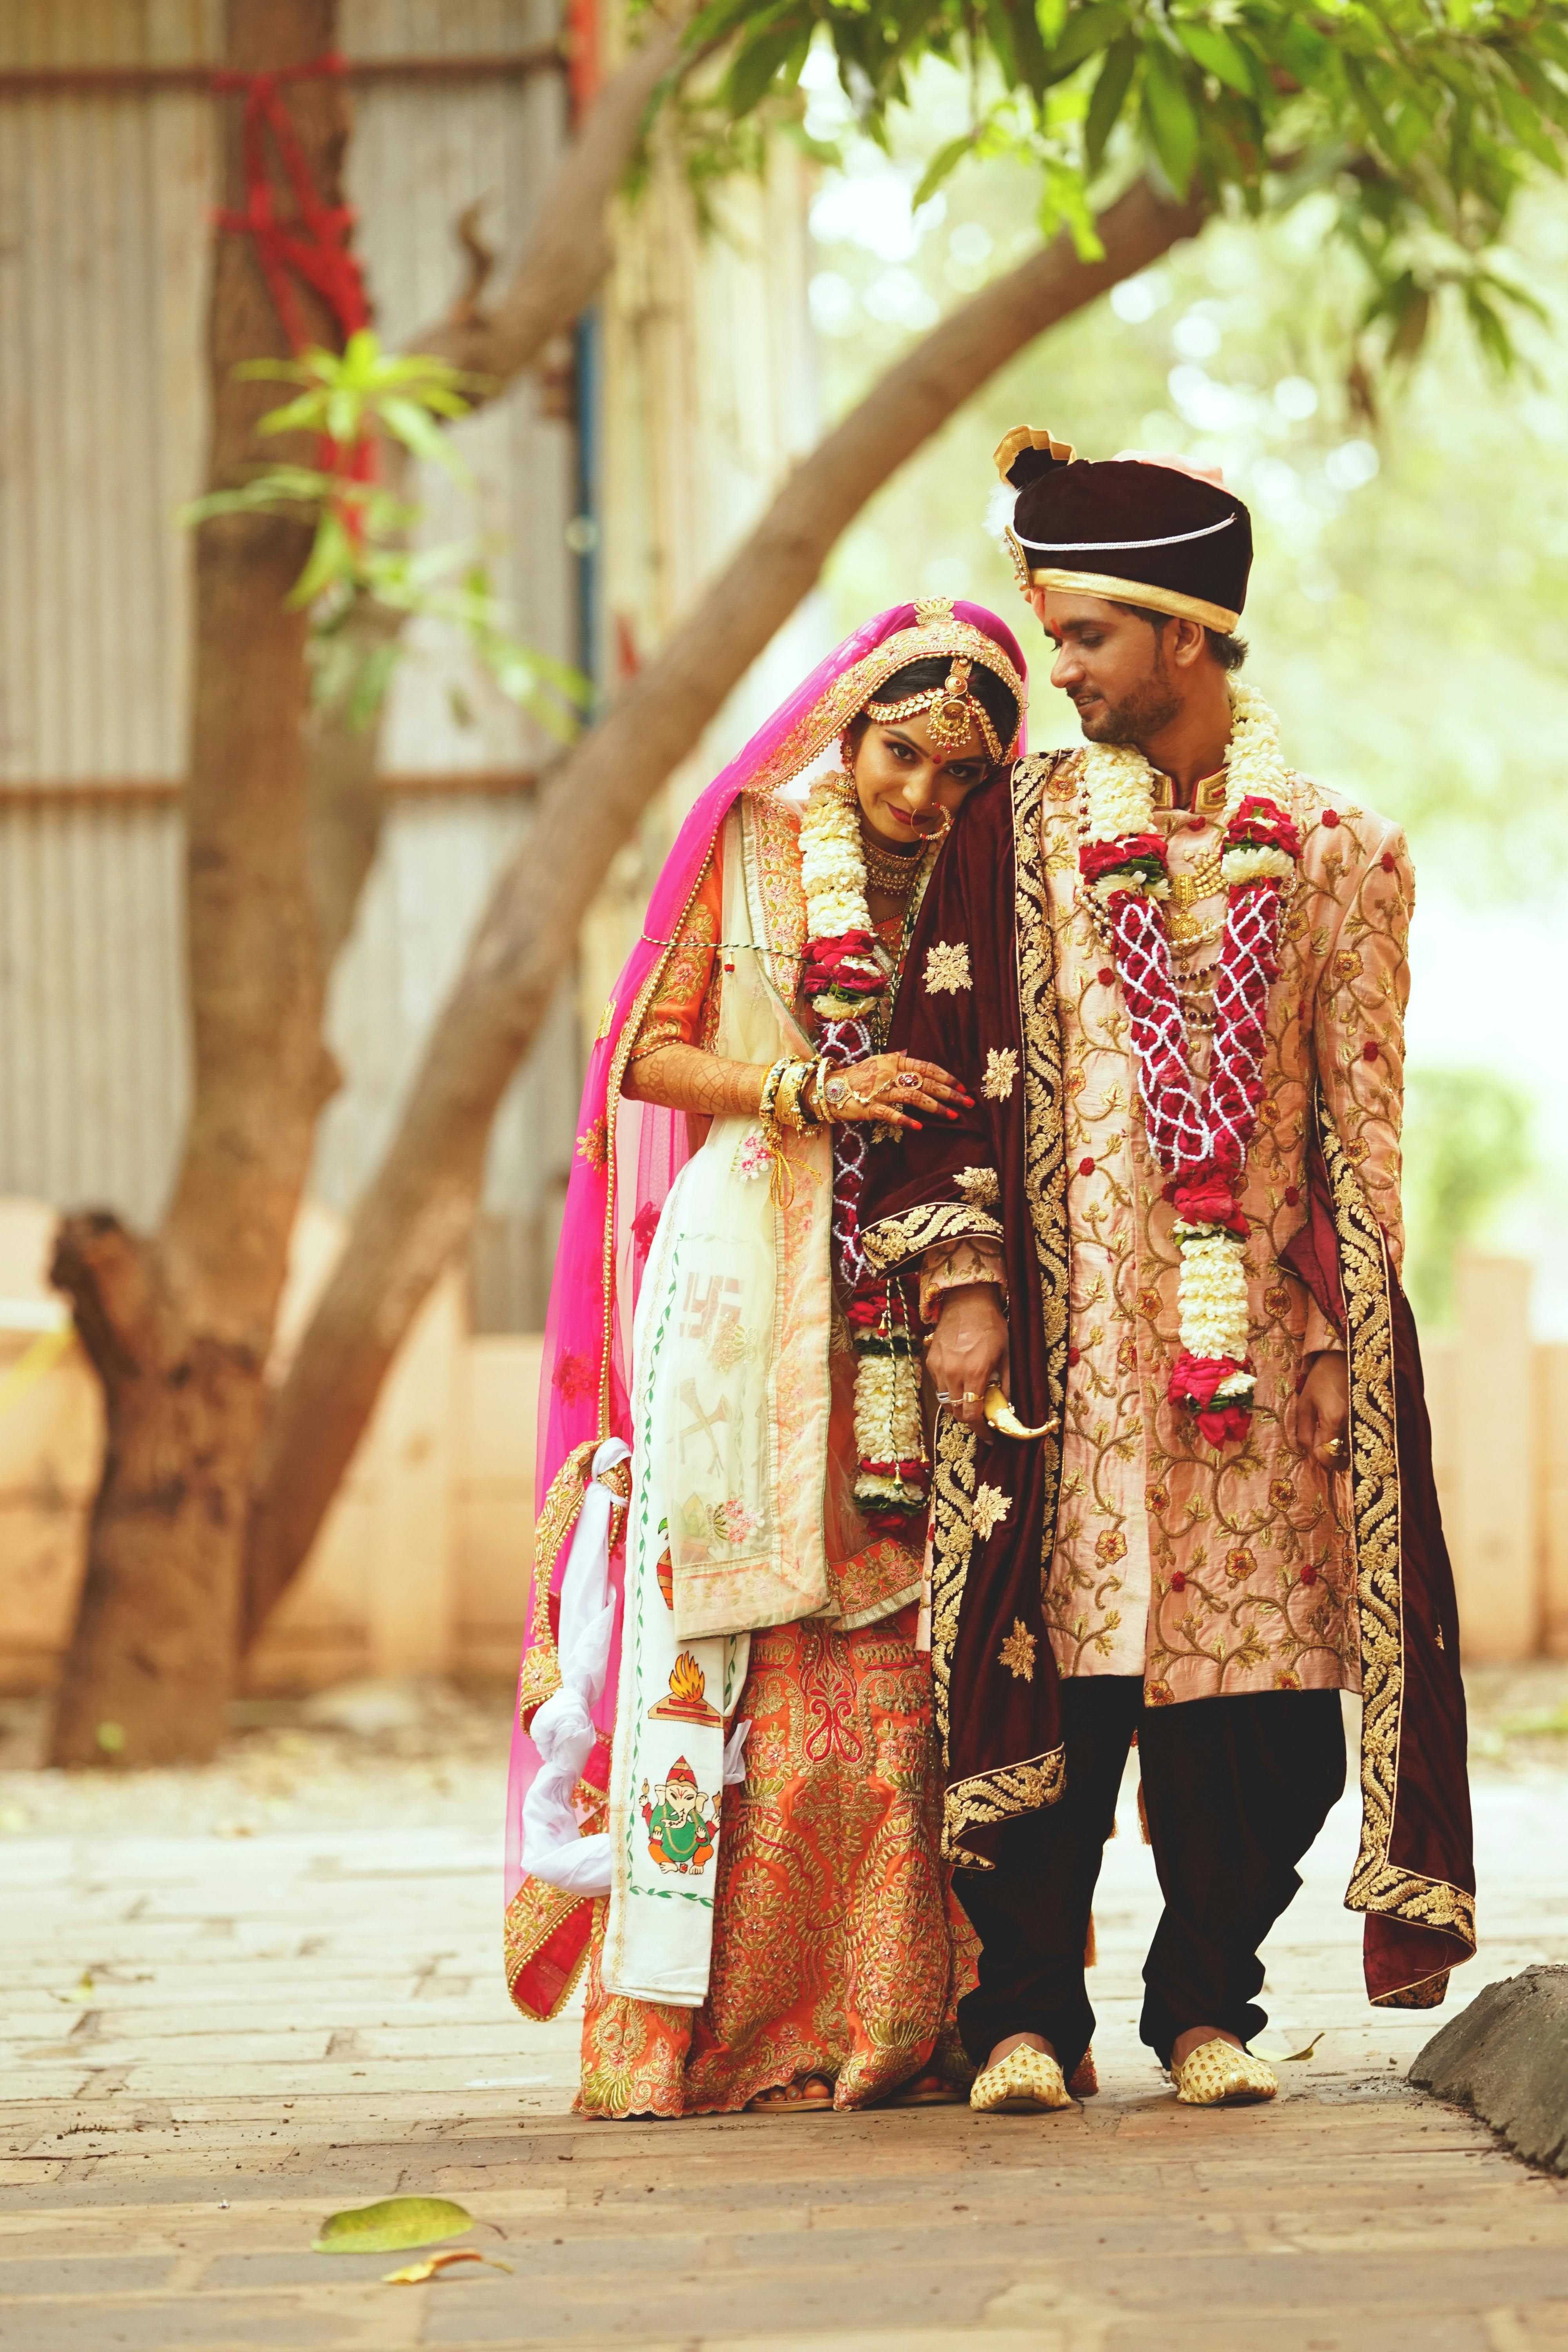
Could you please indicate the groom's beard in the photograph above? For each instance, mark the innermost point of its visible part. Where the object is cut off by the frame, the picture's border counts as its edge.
(1149, 707)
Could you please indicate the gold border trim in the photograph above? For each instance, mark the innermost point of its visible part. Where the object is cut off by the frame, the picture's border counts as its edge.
(1045, 1112)
(891, 1241)
(1377, 1883)
(850, 693)
(540, 1678)
(986, 1797)
(532, 1916)
(1127, 592)
(952, 1538)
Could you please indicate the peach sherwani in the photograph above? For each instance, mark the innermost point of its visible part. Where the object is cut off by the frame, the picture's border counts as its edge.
(1203, 1570)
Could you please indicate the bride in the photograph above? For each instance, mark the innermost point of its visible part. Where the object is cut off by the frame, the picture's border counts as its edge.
(723, 1788)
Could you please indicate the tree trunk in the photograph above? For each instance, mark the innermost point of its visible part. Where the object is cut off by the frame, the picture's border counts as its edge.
(562, 266)
(178, 1326)
(421, 1205)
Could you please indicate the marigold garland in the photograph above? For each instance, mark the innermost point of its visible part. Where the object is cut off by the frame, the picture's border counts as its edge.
(1201, 1145)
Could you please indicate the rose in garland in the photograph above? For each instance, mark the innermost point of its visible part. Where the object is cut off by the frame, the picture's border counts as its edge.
(1201, 1145)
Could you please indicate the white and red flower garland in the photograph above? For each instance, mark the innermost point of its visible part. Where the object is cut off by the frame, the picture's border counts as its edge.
(1201, 1145)
(844, 977)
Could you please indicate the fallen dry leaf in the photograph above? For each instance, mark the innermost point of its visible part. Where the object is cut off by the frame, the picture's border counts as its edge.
(417, 2272)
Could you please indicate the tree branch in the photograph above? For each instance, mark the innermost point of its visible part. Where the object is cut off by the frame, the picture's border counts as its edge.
(421, 1205)
(568, 258)
(570, 251)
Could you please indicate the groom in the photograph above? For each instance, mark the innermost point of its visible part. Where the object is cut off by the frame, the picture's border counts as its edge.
(1172, 973)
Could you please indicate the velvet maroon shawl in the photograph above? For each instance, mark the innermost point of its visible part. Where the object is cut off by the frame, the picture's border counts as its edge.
(986, 914)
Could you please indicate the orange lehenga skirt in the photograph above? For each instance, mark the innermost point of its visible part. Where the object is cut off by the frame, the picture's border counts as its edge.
(837, 1950)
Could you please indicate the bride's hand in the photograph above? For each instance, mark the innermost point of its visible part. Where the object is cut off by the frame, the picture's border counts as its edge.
(888, 1087)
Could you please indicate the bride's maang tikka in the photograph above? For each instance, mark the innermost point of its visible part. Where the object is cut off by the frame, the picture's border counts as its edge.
(952, 708)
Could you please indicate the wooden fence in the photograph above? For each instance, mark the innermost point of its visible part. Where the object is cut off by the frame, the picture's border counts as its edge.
(423, 1565)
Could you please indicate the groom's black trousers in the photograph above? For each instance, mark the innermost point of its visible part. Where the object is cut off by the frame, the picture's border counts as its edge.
(1235, 1790)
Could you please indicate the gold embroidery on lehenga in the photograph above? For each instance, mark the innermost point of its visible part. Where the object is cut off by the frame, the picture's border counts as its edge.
(979, 1184)
(1377, 1883)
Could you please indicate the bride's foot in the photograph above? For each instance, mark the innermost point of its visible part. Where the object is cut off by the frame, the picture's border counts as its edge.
(810, 2095)
(927, 2090)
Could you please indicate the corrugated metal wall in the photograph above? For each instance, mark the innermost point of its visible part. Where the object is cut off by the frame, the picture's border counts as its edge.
(104, 210)
(707, 391)
(103, 238)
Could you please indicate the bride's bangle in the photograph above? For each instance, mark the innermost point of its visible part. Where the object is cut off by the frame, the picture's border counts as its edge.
(766, 1106)
(791, 1110)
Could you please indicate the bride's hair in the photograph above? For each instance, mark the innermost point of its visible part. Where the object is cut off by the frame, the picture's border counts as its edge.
(921, 677)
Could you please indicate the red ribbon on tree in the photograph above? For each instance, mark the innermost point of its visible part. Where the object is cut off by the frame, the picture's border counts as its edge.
(314, 246)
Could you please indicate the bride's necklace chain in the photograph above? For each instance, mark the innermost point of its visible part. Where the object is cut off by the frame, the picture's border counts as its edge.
(889, 870)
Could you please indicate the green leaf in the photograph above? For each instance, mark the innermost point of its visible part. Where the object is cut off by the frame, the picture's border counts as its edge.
(1169, 119)
(1212, 48)
(392, 2225)
(419, 432)
(1086, 30)
(332, 560)
(943, 162)
(305, 415)
(1111, 89)
(368, 691)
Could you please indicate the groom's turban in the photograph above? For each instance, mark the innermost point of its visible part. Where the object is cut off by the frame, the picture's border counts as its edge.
(1135, 530)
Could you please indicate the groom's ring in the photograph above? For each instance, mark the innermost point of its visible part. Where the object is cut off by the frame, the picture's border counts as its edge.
(1334, 1449)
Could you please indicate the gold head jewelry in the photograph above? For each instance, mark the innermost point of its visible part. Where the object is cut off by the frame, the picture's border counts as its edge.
(952, 709)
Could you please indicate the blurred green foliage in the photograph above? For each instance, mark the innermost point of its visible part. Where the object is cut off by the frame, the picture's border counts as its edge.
(361, 554)
(1409, 601)
(1466, 1149)
(1417, 120)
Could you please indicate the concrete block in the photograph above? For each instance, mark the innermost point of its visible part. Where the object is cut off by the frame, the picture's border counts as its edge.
(1507, 2057)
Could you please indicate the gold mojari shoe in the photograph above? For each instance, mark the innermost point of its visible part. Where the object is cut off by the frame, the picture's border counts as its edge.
(1026, 2081)
(1216, 2075)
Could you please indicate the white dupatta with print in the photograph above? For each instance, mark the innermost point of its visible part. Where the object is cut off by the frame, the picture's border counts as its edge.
(730, 1397)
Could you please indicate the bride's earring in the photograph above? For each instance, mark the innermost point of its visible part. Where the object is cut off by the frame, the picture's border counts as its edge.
(847, 754)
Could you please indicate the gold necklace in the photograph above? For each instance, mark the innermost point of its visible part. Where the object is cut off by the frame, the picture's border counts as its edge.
(887, 870)
(1187, 929)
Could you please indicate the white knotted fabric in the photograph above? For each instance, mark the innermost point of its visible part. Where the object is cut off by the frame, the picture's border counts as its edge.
(553, 1847)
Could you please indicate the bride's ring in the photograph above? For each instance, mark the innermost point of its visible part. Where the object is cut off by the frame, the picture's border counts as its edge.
(909, 1080)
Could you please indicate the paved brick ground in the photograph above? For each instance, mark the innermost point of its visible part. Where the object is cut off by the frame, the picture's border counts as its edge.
(229, 2015)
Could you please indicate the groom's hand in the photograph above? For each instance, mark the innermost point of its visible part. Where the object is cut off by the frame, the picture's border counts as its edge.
(968, 1348)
